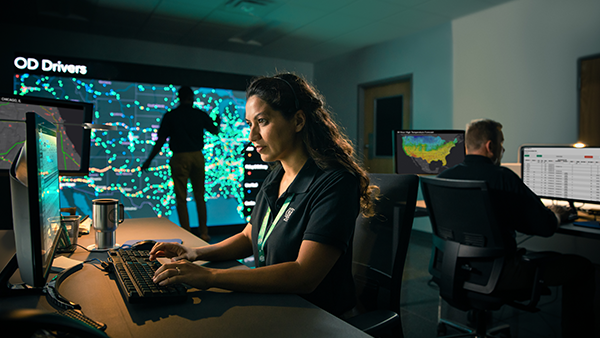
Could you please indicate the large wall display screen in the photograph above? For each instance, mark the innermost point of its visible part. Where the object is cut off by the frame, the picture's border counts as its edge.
(136, 108)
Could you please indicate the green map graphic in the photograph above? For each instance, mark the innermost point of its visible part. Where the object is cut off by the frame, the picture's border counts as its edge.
(428, 148)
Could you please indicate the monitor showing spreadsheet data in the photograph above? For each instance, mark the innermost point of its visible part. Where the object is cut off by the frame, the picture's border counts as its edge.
(562, 172)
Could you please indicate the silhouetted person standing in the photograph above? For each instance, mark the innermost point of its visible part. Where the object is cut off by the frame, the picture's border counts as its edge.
(184, 126)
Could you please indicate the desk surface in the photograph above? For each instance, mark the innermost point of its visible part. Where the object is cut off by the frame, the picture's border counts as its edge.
(211, 313)
(568, 229)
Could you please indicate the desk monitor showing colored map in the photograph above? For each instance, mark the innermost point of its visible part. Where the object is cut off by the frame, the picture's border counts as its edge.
(428, 151)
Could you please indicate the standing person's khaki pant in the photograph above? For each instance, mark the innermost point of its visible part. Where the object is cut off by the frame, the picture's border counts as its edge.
(184, 166)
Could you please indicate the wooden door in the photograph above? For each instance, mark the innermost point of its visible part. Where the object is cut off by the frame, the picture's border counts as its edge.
(589, 100)
(387, 107)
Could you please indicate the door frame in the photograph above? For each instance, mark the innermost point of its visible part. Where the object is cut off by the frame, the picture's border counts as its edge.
(360, 145)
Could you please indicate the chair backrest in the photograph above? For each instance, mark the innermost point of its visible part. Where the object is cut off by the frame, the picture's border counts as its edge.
(381, 242)
(468, 246)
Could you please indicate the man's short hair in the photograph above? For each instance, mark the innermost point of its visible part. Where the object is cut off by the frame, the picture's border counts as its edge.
(185, 93)
(480, 131)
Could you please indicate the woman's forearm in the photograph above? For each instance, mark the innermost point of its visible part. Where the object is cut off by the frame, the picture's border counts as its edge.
(235, 247)
(314, 261)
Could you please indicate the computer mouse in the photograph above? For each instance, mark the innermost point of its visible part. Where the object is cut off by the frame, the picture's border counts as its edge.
(143, 245)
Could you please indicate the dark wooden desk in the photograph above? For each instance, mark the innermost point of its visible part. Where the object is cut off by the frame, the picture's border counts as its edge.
(211, 313)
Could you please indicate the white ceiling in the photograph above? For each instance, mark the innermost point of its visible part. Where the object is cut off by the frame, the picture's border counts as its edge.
(299, 30)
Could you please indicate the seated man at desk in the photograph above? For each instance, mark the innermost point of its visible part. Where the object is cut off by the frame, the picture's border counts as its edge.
(302, 225)
(519, 209)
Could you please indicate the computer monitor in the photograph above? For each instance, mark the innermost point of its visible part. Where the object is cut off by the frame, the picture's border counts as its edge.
(428, 152)
(562, 172)
(69, 116)
(35, 200)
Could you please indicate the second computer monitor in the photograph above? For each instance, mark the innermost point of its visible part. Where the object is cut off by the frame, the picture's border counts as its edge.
(68, 116)
(428, 152)
(562, 173)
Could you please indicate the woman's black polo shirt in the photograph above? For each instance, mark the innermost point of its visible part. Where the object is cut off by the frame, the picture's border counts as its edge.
(324, 209)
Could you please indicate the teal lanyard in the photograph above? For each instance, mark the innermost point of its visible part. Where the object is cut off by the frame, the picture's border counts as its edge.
(261, 234)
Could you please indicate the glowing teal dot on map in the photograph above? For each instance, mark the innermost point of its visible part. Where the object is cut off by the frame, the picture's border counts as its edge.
(137, 103)
(109, 101)
(143, 150)
(128, 105)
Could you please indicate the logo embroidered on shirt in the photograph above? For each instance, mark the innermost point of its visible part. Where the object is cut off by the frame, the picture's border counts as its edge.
(288, 213)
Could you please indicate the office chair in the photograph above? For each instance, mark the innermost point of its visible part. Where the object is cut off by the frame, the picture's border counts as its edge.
(468, 255)
(379, 252)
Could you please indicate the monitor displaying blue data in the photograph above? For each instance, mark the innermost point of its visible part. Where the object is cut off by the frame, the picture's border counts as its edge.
(137, 108)
(562, 173)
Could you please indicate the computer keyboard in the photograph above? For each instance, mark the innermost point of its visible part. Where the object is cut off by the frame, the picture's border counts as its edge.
(134, 271)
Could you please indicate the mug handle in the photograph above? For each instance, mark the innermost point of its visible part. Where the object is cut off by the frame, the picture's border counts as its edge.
(121, 213)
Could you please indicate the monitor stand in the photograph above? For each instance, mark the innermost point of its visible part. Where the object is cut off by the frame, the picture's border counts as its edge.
(50, 289)
(5, 286)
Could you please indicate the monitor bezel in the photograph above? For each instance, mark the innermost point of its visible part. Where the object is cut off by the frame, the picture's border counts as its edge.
(34, 269)
(87, 109)
(421, 131)
(521, 158)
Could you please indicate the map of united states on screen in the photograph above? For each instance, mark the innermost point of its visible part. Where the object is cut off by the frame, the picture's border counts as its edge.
(428, 151)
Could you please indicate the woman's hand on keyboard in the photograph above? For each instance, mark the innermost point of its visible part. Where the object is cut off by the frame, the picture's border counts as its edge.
(184, 272)
(175, 251)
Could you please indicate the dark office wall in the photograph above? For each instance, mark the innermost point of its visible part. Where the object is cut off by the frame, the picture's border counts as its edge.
(79, 45)
(426, 56)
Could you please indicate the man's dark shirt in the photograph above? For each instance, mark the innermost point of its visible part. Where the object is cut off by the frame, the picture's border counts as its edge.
(185, 126)
(515, 205)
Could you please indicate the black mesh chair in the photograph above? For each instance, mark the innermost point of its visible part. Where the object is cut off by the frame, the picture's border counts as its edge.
(468, 255)
(379, 253)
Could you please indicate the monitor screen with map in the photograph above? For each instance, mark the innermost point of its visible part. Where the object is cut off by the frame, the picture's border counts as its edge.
(134, 98)
(68, 116)
(428, 152)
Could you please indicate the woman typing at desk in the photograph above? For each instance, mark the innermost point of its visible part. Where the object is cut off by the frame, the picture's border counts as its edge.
(301, 228)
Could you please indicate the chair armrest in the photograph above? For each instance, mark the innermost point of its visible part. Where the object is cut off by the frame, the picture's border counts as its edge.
(542, 257)
(375, 322)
